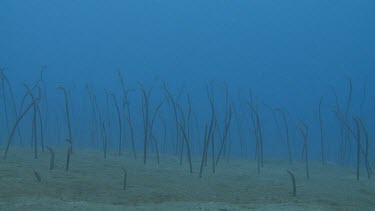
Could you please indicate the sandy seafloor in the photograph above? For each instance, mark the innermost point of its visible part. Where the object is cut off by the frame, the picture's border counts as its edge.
(94, 183)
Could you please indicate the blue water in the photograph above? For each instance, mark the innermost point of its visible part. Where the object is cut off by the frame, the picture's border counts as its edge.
(287, 54)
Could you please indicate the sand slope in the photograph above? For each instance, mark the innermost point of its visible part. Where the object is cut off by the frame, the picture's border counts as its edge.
(96, 184)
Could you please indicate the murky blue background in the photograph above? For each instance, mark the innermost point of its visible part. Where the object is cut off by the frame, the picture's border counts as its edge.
(288, 53)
